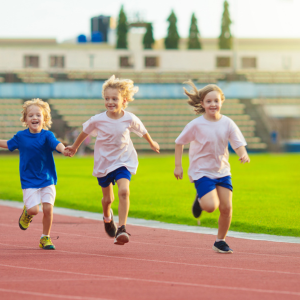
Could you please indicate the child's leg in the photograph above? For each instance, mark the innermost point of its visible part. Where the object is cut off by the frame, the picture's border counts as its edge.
(107, 200)
(225, 207)
(47, 218)
(123, 193)
(210, 201)
(33, 210)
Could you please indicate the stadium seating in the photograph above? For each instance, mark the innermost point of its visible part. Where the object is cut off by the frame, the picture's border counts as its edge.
(10, 114)
(164, 118)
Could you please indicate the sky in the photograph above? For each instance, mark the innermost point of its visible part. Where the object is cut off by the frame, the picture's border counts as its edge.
(66, 19)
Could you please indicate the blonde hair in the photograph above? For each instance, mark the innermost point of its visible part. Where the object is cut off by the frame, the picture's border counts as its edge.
(45, 108)
(196, 97)
(124, 86)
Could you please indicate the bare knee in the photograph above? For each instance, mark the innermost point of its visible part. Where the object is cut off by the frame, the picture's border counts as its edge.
(47, 209)
(33, 210)
(108, 200)
(225, 210)
(209, 207)
(123, 194)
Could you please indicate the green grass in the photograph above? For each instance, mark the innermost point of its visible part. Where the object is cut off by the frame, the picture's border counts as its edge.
(265, 198)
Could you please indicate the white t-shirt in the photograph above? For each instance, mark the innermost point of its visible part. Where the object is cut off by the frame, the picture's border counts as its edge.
(208, 140)
(113, 146)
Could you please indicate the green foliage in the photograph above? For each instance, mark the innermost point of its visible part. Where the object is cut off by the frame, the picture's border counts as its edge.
(194, 42)
(265, 192)
(148, 39)
(172, 39)
(122, 30)
(225, 38)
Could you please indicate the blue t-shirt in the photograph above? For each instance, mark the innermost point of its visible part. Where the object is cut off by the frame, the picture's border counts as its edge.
(37, 168)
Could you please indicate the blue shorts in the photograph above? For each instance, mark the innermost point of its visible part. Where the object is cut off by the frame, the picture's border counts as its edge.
(205, 185)
(113, 176)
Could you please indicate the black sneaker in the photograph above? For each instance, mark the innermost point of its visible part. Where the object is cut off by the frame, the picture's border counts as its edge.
(196, 209)
(222, 247)
(122, 236)
(110, 228)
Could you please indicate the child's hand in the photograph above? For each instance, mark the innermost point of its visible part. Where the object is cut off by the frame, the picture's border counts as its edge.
(244, 158)
(155, 147)
(178, 172)
(70, 151)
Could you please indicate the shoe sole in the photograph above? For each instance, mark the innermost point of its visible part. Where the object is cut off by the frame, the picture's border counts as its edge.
(121, 239)
(196, 209)
(112, 235)
(49, 247)
(221, 251)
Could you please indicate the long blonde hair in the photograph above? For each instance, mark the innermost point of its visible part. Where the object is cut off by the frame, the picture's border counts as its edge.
(45, 108)
(196, 97)
(124, 86)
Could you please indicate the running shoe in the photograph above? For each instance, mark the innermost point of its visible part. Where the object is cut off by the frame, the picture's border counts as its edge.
(196, 209)
(222, 247)
(110, 228)
(46, 243)
(122, 236)
(25, 219)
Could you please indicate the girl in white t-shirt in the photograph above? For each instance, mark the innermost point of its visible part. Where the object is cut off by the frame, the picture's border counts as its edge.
(209, 168)
(115, 158)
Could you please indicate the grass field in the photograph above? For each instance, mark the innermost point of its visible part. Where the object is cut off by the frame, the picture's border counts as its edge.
(266, 196)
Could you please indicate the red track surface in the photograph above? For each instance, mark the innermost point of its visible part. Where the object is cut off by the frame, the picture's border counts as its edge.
(155, 264)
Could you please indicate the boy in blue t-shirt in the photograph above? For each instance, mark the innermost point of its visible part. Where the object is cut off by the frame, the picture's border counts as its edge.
(37, 169)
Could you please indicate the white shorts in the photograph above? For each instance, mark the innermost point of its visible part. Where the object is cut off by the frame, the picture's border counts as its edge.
(33, 197)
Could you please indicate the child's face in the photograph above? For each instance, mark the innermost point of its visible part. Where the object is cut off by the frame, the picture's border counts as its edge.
(34, 119)
(113, 100)
(212, 103)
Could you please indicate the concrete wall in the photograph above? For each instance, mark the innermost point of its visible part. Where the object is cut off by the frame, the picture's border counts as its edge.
(93, 58)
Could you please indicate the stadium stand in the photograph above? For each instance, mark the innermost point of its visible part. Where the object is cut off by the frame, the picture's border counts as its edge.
(10, 114)
(164, 118)
(293, 124)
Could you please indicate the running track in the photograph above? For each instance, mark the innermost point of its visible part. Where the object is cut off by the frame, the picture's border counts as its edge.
(155, 264)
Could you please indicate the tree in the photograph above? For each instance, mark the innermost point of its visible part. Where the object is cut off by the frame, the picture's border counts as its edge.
(225, 38)
(122, 30)
(194, 42)
(148, 39)
(172, 39)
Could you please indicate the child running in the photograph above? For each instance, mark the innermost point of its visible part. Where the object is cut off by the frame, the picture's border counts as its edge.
(115, 158)
(209, 168)
(37, 168)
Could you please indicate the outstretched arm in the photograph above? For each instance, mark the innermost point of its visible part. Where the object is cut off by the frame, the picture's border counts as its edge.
(178, 172)
(154, 145)
(3, 144)
(243, 155)
(60, 148)
(71, 150)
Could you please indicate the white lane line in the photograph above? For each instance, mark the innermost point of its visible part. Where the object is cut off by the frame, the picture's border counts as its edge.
(165, 282)
(168, 262)
(174, 246)
(43, 295)
(161, 225)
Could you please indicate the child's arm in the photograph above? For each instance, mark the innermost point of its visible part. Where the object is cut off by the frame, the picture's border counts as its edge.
(71, 150)
(3, 144)
(243, 155)
(60, 148)
(178, 172)
(154, 145)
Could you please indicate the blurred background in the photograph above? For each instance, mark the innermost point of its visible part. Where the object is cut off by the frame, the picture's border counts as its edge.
(62, 51)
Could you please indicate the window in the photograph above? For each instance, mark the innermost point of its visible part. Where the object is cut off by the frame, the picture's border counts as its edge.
(223, 62)
(31, 61)
(126, 62)
(248, 62)
(151, 62)
(57, 61)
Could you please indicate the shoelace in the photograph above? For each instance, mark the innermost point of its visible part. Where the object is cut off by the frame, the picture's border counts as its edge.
(28, 218)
